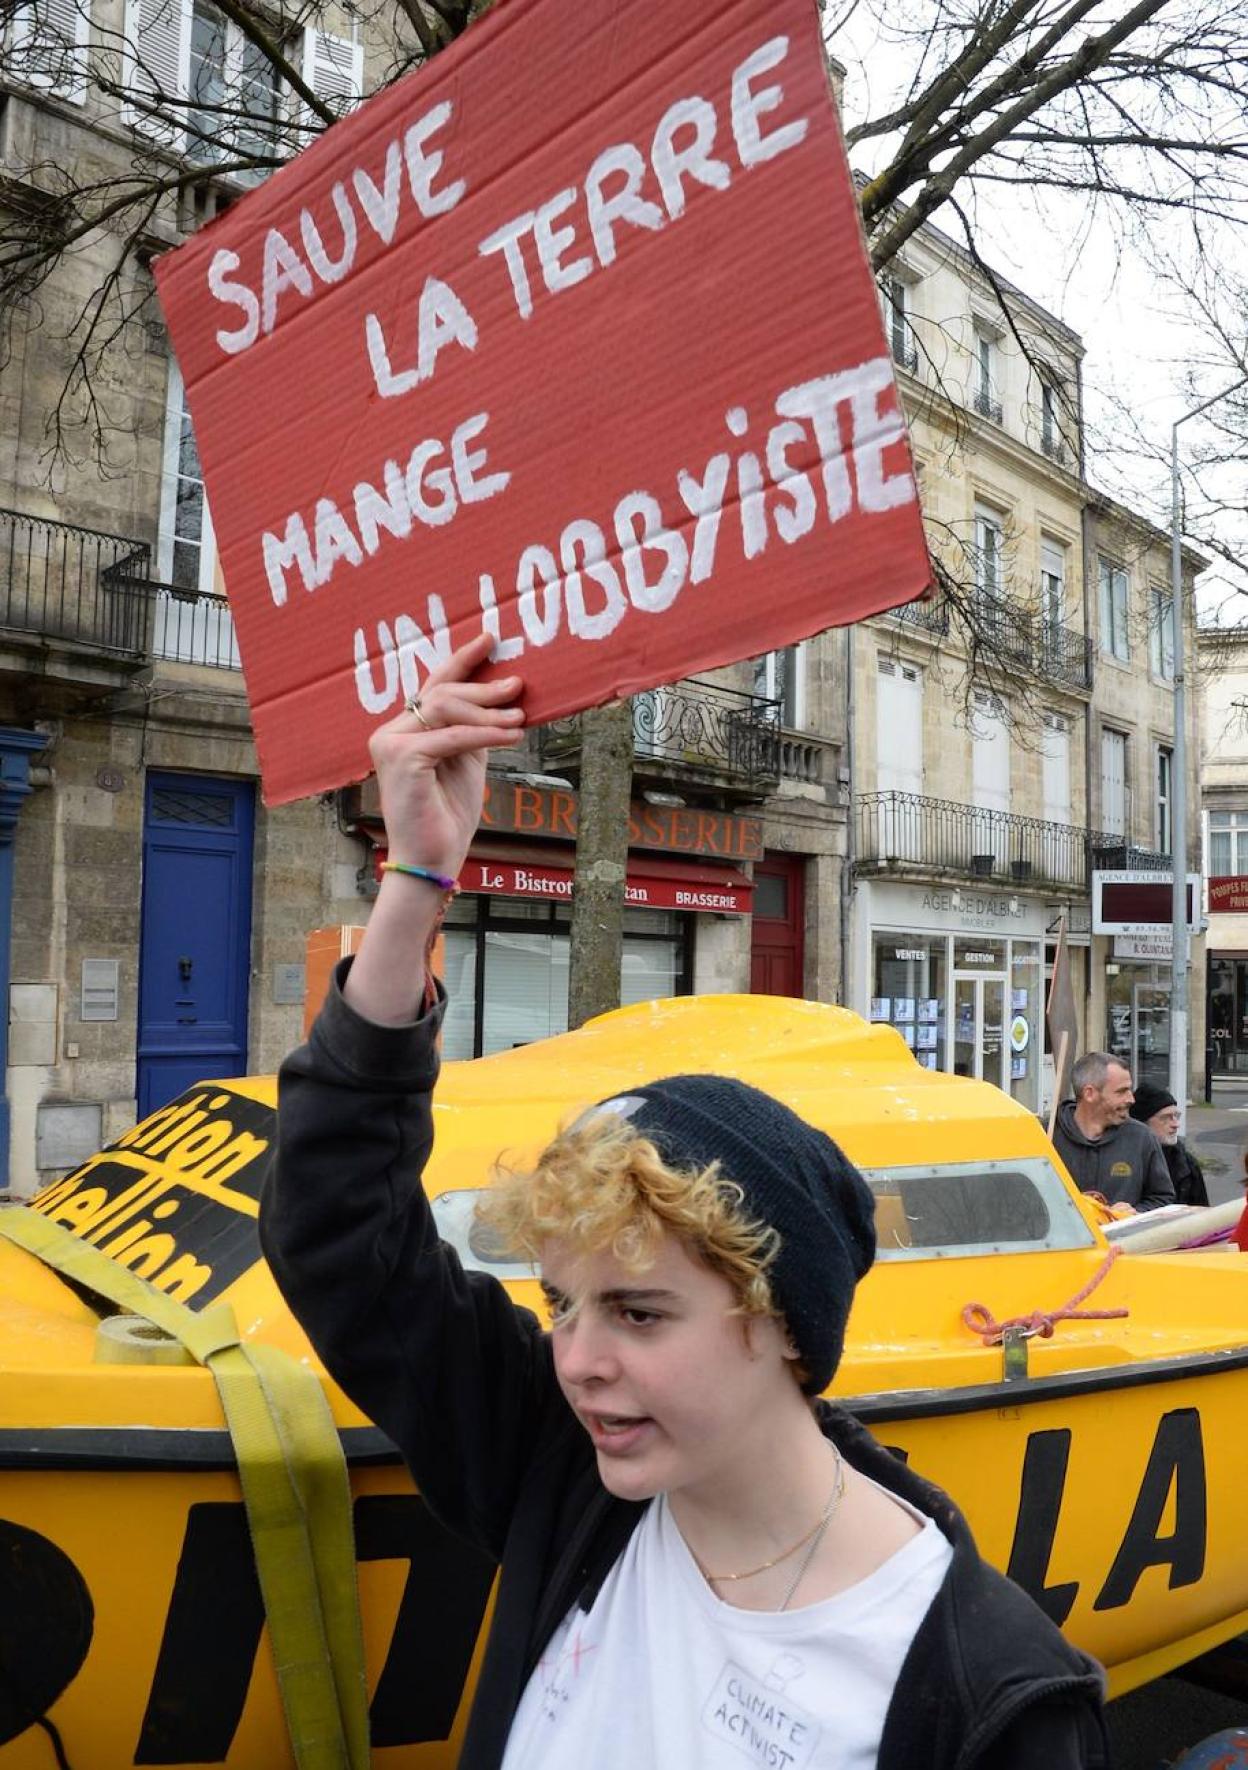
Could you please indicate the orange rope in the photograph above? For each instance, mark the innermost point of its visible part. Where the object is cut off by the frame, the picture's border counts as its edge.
(980, 1319)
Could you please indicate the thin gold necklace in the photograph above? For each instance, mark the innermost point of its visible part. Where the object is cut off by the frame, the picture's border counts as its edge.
(813, 1536)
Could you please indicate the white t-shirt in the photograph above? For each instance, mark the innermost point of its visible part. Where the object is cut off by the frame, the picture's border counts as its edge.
(662, 1675)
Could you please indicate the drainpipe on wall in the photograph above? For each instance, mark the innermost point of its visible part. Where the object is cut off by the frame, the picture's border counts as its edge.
(851, 829)
(16, 749)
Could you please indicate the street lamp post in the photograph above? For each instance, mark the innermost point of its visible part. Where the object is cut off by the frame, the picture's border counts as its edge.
(1178, 772)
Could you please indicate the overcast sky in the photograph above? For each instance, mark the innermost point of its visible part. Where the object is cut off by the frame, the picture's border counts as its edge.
(1103, 275)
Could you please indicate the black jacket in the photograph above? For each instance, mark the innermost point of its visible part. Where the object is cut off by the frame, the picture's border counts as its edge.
(1186, 1174)
(1124, 1164)
(463, 1381)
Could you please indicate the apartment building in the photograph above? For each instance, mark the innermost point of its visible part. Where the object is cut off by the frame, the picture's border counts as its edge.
(1223, 666)
(1015, 732)
(154, 914)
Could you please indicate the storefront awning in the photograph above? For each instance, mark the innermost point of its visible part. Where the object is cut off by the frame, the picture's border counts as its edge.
(653, 882)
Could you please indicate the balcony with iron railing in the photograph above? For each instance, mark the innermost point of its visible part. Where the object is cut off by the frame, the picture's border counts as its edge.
(1013, 636)
(930, 614)
(693, 730)
(988, 405)
(907, 833)
(1052, 445)
(91, 598)
(1028, 639)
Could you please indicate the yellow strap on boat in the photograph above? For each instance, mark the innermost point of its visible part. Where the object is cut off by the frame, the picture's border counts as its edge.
(295, 1488)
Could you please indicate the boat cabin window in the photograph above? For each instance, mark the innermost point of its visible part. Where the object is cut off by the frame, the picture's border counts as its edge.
(956, 1210)
(971, 1208)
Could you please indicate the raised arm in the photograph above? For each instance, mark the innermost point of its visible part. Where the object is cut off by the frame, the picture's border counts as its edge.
(441, 1359)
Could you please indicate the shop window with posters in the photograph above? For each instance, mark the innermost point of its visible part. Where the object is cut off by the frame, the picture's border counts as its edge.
(908, 992)
(1025, 1022)
(505, 961)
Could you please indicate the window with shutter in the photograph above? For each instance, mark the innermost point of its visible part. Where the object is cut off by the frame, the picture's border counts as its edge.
(334, 68)
(220, 95)
(49, 45)
(157, 54)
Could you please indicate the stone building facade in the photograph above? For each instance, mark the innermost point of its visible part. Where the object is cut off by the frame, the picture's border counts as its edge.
(1223, 658)
(158, 914)
(986, 725)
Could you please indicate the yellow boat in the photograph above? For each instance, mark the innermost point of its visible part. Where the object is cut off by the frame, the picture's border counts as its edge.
(1098, 1464)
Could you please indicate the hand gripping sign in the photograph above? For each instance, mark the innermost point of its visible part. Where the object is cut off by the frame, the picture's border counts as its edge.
(571, 338)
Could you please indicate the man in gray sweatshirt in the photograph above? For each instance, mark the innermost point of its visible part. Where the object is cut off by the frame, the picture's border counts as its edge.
(1105, 1149)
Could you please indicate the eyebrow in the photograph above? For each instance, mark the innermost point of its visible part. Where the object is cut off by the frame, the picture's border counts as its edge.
(621, 1294)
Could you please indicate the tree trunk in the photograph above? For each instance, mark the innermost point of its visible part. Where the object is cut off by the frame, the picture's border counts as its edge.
(601, 861)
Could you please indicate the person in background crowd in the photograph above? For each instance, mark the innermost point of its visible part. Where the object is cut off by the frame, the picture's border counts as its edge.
(1104, 1148)
(1157, 1108)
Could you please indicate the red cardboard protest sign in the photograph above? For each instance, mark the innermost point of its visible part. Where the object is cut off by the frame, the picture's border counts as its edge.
(570, 337)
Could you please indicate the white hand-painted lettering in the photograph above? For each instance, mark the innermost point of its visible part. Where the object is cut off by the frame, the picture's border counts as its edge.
(683, 157)
(833, 421)
(284, 272)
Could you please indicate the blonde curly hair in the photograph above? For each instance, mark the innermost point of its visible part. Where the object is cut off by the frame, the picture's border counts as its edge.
(601, 1186)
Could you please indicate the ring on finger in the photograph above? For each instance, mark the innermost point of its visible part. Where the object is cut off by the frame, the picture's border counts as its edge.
(413, 706)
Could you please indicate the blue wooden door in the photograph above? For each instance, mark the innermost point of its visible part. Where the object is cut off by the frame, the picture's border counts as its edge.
(195, 942)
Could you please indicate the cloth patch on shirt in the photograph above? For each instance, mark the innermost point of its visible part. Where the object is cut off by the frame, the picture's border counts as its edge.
(759, 1719)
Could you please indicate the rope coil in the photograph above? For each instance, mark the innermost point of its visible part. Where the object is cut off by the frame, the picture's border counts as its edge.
(980, 1319)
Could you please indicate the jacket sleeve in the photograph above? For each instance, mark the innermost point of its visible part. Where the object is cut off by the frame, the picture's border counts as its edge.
(440, 1358)
(1156, 1188)
(1058, 1734)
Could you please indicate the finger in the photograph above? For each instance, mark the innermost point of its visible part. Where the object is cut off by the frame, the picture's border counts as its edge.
(463, 661)
(456, 708)
(445, 741)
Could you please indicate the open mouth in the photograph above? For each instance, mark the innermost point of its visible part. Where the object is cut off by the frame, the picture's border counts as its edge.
(616, 1432)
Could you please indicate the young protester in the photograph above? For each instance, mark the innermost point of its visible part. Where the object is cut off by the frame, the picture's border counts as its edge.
(699, 1563)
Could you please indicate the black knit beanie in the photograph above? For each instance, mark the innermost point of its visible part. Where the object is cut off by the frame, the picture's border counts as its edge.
(1148, 1100)
(793, 1178)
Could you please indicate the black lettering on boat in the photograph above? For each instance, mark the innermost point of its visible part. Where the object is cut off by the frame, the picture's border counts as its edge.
(1039, 1506)
(216, 1614)
(212, 1631)
(46, 1623)
(440, 1616)
(1176, 1460)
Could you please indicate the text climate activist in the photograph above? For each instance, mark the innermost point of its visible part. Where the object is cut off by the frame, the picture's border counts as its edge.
(555, 343)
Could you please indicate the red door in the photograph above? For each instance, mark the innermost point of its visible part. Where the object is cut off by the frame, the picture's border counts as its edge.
(776, 947)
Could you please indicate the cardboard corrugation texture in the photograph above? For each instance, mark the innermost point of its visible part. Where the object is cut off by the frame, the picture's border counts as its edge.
(604, 373)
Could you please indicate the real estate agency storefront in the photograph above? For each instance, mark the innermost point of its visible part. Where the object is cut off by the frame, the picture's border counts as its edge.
(506, 937)
(958, 972)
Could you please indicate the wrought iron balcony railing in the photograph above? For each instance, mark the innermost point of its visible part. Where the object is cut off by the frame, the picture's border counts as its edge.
(930, 613)
(987, 406)
(1053, 446)
(1113, 854)
(1029, 640)
(905, 354)
(906, 830)
(62, 582)
(95, 592)
(694, 728)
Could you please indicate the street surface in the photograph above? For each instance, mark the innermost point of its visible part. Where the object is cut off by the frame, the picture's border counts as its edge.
(1153, 1726)
(1218, 1136)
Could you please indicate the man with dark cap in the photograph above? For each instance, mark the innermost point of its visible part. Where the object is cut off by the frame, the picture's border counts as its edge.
(700, 1559)
(1157, 1108)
